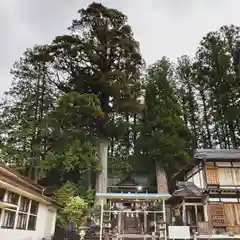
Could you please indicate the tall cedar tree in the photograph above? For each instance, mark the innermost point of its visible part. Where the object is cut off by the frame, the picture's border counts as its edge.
(99, 58)
(164, 138)
(217, 65)
(186, 92)
(25, 138)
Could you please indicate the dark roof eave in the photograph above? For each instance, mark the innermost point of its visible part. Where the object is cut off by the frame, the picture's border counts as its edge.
(17, 175)
(19, 179)
(180, 198)
(189, 166)
(185, 168)
(218, 159)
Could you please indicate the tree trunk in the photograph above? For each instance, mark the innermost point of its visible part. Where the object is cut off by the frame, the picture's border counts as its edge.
(102, 175)
(162, 184)
(232, 134)
(192, 112)
(206, 118)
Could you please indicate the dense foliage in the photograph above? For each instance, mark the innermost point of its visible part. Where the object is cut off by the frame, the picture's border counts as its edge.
(75, 202)
(83, 106)
(164, 138)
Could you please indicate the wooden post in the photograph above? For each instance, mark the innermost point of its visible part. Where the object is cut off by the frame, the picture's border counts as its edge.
(145, 222)
(155, 222)
(164, 219)
(205, 209)
(119, 221)
(101, 219)
(184, 212)
(196, 213)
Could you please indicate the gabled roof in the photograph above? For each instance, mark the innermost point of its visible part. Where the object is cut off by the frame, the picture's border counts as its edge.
(187, 189)
(136, 180)
(210, 155)
(141, 180)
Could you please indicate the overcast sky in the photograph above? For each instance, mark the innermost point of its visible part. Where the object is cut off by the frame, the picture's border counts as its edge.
(163, 27)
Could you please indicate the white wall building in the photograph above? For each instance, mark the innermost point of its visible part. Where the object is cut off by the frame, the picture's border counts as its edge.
(25, 212)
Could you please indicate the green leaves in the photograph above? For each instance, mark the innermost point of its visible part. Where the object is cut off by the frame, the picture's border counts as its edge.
(65, 192)
(68, 94)
(101, 58)
(78, 112)
(164, 137)
(75, 208)
(218, 85)
(75, 201)
(72, 156)
(73, 212)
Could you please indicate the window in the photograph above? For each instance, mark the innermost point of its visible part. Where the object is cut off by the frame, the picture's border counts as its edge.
(34, 207)
(22, 221)
(2, 193)
(12, 198)
(24, 204)
(33, 216)
(195, 214)
(8, 219)
(32, 222)
(200, 213)
(191, 215)
(23, 217)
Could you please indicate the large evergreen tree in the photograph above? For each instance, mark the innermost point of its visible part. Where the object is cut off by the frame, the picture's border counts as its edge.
(218, 85)
(186, 92)
(99, 58)
(95, 72)
(25, 137)
(164, 138)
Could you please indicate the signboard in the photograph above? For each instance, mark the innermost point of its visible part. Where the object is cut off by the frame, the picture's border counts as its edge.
(179, 232)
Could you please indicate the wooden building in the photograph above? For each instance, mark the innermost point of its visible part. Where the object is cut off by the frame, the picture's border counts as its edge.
(208, 193)
(25, 211)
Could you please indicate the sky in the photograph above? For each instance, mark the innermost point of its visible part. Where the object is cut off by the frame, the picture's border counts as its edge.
(163, 27)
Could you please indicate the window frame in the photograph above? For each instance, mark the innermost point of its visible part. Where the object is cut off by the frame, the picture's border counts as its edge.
(35, 215)
(3, 192)
(3, 218)
(13, 195)
(19, 212)
(194, 210)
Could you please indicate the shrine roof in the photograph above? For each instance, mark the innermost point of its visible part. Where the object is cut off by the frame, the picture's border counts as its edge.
(136, 180)
(187, 189)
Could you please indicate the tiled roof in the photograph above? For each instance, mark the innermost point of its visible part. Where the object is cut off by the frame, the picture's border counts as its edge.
(141, 180)
(211, 155)
(134, 179)
(187, 189)
(217, 154)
